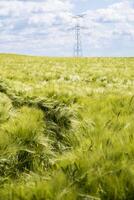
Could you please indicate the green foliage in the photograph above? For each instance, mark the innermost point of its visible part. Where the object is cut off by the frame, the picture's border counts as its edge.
(5, 108)
(66, 128)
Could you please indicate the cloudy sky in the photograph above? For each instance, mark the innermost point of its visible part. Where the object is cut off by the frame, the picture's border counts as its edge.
(45, 27)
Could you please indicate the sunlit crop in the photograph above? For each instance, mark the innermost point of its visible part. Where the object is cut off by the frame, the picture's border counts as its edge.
(66, 128)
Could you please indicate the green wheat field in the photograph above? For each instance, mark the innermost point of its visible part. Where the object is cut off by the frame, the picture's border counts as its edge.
(66, 128)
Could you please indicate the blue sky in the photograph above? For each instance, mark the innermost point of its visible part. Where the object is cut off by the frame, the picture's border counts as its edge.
(44, 27)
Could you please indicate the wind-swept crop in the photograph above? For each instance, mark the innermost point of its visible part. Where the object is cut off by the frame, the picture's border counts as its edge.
(66, 128)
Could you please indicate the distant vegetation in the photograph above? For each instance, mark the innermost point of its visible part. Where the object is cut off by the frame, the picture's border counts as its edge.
(66, 128)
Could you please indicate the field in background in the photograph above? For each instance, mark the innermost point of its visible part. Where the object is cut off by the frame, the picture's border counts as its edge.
(66, 128)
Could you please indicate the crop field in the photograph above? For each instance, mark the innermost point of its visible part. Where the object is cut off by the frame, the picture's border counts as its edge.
(66, 128)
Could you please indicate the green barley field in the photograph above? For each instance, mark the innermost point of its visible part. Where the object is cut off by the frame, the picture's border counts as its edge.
(66, 128)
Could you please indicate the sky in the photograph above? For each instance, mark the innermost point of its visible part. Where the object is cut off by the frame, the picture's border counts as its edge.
(46, 27)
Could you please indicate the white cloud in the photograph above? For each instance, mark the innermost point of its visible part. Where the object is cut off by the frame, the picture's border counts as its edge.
(34, 24)
(112, 23)
(17, 8)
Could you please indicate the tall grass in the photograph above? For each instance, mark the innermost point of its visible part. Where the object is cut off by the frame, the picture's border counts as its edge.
(66, 128)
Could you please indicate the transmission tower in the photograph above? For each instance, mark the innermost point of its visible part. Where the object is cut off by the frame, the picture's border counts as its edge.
(78, 42)
(77, 33)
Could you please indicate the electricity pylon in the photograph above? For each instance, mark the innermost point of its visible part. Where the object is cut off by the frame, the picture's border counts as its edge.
(78, 52)
(78, 42)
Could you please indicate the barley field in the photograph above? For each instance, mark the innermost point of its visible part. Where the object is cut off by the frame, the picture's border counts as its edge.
(66, 128)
